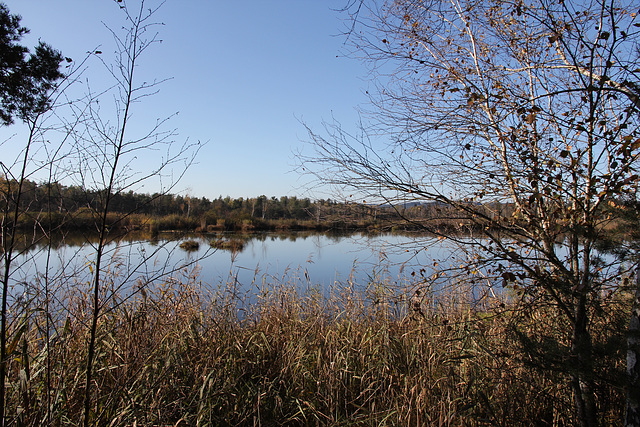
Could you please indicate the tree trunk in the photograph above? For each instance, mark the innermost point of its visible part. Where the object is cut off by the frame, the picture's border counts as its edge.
(632, 417)
(581, 381)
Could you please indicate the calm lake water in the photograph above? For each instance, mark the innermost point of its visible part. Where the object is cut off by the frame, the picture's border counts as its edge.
(313, 259)
(397, 264)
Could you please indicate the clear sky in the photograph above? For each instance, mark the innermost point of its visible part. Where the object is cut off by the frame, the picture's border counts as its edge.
(243, 76)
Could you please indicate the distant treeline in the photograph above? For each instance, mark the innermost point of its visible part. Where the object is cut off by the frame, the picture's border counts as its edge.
(54, 205)
(58, 205)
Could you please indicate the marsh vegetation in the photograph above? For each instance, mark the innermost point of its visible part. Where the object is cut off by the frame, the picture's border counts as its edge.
(524, 166)
(185, 354)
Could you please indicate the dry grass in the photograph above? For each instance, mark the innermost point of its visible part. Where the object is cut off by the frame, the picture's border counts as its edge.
(190, 245)
(185, 355)
(233, 245)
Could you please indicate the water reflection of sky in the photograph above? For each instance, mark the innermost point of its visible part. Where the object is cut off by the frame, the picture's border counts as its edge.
(321, 258)
(401, 263)
(325, 258)
(317, 259)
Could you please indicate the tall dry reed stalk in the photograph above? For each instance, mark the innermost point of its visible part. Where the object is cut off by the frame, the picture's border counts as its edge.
(183, 353)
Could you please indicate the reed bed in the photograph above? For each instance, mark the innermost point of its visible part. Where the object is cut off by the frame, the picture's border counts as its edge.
(184, 353)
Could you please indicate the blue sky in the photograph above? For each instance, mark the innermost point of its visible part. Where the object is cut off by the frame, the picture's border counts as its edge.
(243, 76)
